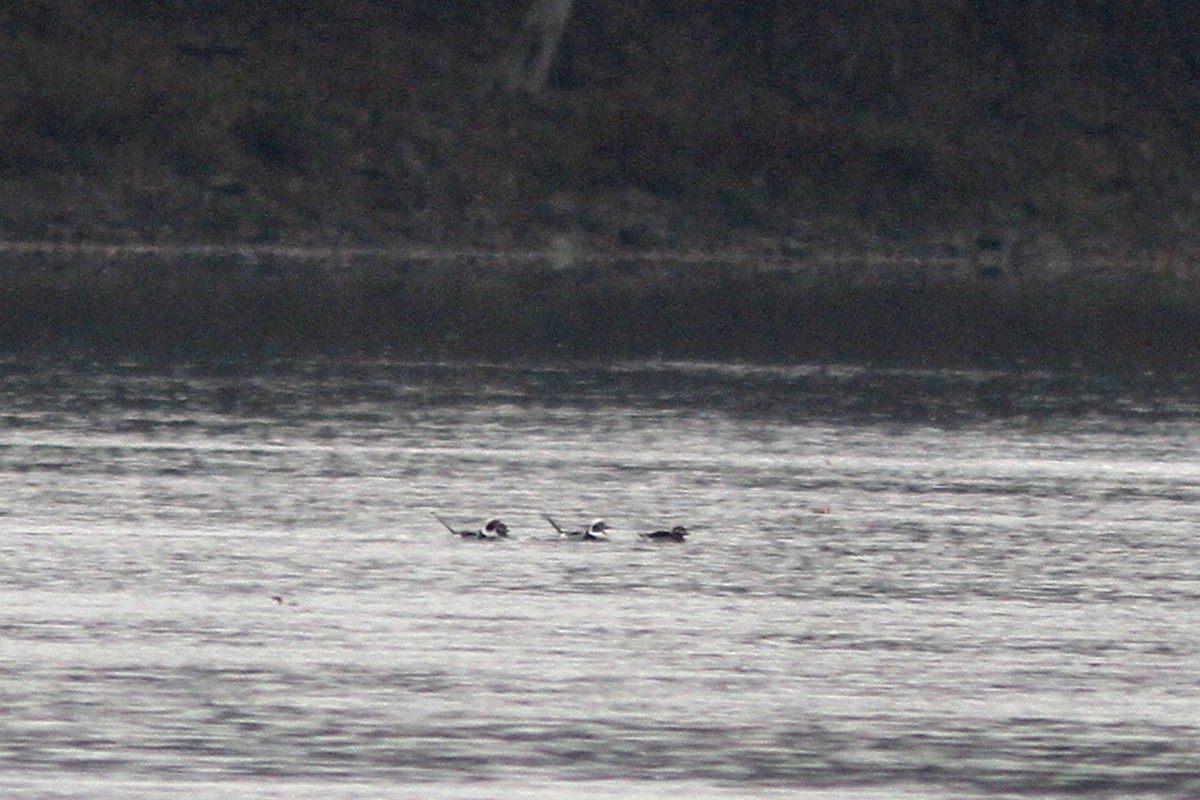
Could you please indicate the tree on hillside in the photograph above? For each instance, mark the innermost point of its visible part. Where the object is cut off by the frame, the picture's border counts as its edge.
(527, 60)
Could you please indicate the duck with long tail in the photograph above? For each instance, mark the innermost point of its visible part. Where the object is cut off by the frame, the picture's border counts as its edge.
(492, 529)
(596, 532)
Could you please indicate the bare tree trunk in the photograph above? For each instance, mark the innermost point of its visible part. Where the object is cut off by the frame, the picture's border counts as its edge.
(526, 64)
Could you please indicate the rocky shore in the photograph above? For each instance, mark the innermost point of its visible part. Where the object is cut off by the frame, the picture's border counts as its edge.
(987, 305)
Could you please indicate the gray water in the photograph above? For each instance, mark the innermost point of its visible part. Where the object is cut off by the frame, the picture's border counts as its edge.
(226, 581)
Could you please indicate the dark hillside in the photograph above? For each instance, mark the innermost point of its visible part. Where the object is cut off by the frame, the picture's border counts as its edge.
(676, 122)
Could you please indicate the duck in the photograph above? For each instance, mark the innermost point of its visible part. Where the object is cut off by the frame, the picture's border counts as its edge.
(676, 534)
(492, 529)
(596, 532)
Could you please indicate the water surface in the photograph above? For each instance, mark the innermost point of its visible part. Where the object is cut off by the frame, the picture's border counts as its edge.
(227, 579)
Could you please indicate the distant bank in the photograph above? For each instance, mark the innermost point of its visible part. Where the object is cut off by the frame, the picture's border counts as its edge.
(977, 303)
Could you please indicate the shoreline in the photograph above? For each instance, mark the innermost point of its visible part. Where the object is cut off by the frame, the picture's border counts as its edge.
(986, 306)
(990, 260)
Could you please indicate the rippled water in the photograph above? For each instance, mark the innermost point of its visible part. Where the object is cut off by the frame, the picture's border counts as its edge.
(227, 581)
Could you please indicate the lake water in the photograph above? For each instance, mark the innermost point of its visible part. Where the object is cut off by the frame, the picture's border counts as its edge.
(226, 580)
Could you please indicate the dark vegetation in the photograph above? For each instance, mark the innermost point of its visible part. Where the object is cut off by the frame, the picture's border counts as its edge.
(666, 121)
(795, 129)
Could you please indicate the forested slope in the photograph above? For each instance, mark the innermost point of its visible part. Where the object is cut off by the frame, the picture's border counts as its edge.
(670, 123)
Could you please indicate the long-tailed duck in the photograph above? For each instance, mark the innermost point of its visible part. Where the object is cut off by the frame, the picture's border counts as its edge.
(676, 534)
(492, 529)
(596, 532)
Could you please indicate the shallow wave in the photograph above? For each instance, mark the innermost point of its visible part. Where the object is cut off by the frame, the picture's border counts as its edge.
(236, 579)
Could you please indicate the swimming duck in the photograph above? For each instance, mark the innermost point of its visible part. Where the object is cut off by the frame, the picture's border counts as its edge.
(596, 532)
(492, 529)
(676, 534)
